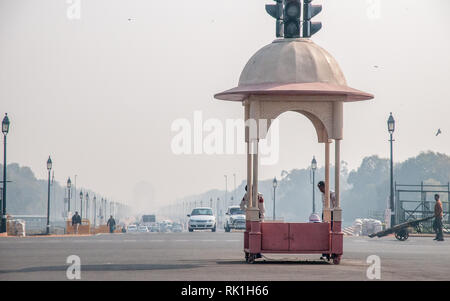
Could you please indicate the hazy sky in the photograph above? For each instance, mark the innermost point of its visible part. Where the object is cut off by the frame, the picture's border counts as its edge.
(99, 93)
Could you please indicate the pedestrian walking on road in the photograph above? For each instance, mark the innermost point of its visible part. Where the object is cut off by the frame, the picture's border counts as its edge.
(438, 215)
(112, 224)
(76, 222)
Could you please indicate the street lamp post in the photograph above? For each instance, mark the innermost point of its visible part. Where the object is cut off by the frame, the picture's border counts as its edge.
(391, 129)
(219, 215)
(5, 130)
(104, 210)
(95, 211)
(106, 215)
(275, 184)
(102, 206)
(81, 204)
(75, 193)
(313, 168)
(87, 207)
(69, 185)
(49, 168)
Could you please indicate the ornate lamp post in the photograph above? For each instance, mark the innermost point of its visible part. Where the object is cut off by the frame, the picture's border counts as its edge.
(49, 168)
(313, 168)
(87, 206)
(106, 214)
(391, 129)
(75, 193)
(106, 207)
(102, 209)
(219, 212)
(5, 131)
(69, 186)
(95, 211)
(81, 204)
(275, 184)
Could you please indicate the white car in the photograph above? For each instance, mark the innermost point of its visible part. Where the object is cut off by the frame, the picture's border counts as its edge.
(202, 218)
(235, 218)
(142, 229)
(132, 228)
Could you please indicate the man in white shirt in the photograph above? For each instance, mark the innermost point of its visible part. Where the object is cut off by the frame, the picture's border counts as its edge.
(321, 186)
(244, 204)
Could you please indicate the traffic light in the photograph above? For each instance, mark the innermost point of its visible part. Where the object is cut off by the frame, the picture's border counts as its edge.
(292, 12)
(309, 12)
(276, 11)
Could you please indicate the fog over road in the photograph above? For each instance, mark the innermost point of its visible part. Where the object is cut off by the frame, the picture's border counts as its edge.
(212, 256)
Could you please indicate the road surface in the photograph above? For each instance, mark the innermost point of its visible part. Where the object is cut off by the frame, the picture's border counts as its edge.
(212, 256)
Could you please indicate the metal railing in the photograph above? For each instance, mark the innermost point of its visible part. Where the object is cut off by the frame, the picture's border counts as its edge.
(409, 207)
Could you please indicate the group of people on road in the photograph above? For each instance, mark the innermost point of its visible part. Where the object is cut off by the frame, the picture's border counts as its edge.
(320, 185)
(438, 209)
(76, 222)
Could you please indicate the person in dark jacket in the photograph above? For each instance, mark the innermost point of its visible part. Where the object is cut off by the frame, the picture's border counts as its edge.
(438, 215)
(112, 224)
(76, 222)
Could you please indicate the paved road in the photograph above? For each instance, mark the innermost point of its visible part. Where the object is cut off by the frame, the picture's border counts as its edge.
(212, 256)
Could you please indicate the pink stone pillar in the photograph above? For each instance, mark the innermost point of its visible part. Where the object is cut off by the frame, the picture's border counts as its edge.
(249, 174)
(255, 237)
(326, 209)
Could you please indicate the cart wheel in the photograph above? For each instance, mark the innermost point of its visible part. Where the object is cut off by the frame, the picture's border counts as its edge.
(402, 235)
(325, 256)
(336, 259)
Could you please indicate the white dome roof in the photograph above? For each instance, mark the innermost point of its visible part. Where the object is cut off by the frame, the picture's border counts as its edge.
(287, 61)
(292, 67)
